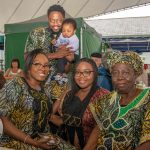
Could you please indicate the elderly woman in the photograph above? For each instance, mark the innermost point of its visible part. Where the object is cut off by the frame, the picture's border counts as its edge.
(123, 116)
(25, 106)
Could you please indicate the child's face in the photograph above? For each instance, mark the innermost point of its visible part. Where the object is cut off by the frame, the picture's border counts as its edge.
(68, 30)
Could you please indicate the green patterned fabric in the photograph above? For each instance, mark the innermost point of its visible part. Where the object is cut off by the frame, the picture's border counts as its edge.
(123, 128)
(41, 38)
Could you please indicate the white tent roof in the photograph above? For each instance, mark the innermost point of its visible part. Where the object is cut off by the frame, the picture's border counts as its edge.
(122, 27)
(13, 11)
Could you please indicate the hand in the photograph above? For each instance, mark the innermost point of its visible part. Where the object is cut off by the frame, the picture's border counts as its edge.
(70, 57)
(63, 51)
(42, 143)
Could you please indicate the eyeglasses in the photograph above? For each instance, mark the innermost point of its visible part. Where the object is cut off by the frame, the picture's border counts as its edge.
(85, 73)
(39, 65)
(124, 74)
(59, 21)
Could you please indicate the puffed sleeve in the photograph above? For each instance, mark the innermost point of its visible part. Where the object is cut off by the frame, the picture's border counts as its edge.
(35, 39)
(9, 95)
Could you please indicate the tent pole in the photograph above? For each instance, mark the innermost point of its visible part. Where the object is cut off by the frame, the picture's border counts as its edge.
(81, 43)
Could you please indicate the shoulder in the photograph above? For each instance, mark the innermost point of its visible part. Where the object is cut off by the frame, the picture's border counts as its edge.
(74, 37)
(101, 91)
(38, 30)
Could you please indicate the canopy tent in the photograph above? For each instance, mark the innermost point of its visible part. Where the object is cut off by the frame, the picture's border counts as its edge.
(16, 35)
(13, 11)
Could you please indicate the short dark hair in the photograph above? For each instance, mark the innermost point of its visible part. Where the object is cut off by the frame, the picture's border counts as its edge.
(70, 21)
(15, 60)
(56, 8)
(30, 58)
(96, 54)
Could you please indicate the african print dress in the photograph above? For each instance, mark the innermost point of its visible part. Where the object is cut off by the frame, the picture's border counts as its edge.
(78, 118)
(122, 128)
(28, 110)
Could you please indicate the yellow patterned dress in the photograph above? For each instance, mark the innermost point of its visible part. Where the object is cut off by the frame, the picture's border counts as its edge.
(28, 110)
(122, 128)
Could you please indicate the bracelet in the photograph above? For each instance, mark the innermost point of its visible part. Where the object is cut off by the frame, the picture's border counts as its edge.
(25, 139)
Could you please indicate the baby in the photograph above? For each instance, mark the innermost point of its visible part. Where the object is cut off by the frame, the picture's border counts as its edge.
(69, 38)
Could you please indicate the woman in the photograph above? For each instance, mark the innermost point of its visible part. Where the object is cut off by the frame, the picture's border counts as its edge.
(76, 115)
(14, 70)
(25, 105)
(123, 116)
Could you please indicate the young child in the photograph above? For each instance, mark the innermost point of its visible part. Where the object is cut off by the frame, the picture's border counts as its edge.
(67, 37)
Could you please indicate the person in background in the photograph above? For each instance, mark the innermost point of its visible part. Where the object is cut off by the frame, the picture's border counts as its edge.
(76, 116)
(69, 38)
(14, 70)
(42, 38)
(123, 116)
(104, 77)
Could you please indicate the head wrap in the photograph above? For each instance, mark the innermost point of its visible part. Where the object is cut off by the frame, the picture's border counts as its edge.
(129, 57)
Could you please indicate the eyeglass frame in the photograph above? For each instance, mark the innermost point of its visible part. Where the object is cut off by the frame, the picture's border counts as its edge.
(83, 73)
(39, 65)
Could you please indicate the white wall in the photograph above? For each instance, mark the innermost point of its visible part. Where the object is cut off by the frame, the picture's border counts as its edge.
(146, 57)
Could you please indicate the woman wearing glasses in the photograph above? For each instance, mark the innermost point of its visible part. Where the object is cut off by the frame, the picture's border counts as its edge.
(25, 105)
(76, 115)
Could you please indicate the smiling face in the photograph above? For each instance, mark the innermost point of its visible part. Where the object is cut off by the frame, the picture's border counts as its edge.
(55, 20)
(84, 75)
(123, 77)
(14, 64)
(68, 30)
(39, 69)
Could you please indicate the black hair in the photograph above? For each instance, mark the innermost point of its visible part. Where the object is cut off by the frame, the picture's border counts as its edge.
(56, 8)
(30, 58)
(15, 60)
(96, 54)
(75, 87)
(70, 21)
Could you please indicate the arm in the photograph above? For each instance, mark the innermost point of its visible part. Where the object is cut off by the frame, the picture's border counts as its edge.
(6, 75)
(144, 143)
(61, 52)
(144, 146)
(17, 134)
(92, 141)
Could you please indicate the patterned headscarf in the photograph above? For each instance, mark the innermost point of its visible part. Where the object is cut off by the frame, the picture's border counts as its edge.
(129, 57)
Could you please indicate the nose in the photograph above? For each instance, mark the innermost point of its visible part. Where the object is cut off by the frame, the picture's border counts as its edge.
(120, 76)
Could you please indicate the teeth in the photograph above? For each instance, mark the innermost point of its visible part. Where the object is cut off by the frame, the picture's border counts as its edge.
(41, 74)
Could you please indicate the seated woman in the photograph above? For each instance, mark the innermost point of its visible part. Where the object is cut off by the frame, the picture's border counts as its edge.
(25, 105)
(76, 115)
(14, 70)
(123, 116)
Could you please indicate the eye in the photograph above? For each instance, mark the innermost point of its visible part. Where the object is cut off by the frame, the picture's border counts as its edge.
(126, 73)
(114, 73)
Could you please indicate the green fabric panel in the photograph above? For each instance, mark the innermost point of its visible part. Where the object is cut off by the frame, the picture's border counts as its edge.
(91, 43)
(16, 35)
(15, 48)
(20, 28)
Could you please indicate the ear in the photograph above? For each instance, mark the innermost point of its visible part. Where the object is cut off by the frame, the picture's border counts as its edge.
(74, 31)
